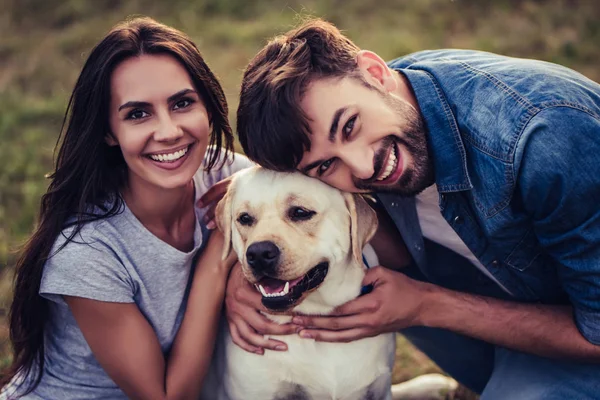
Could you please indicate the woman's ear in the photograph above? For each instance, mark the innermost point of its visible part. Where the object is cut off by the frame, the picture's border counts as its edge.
(110, 139)
(375, 71)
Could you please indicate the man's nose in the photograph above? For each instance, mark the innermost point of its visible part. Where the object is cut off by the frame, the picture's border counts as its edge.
(360, 163)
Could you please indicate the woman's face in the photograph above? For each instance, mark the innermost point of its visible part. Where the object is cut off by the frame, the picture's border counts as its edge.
(158, 120)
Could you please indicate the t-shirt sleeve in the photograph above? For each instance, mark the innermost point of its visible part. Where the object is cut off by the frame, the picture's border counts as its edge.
(235, 162)
(86, 267)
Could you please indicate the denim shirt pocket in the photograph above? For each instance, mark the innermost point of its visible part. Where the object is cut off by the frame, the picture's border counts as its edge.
(536, 271)
(525, 253)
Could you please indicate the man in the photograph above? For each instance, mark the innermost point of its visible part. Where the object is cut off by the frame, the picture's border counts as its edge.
(489, 169)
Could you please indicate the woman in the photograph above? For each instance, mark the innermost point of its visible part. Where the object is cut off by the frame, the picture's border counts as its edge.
(119, 290)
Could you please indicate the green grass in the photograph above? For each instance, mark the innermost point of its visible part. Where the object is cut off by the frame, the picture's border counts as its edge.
(43, 44)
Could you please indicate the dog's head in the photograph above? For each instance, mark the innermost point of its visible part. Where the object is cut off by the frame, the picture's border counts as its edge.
(292, 234)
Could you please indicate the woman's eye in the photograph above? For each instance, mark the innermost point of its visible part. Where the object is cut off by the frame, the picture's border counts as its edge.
(300, 214)
(245, 219)
(137, 114)
(349, 126)
(183, 103)
(325, 166)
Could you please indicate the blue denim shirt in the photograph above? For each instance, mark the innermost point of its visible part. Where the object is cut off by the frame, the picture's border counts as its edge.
(516, 150)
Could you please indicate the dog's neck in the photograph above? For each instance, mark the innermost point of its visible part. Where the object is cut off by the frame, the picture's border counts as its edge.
(342, 284)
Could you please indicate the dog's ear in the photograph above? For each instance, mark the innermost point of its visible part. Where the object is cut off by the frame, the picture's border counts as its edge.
(363, 222)
(224, 219)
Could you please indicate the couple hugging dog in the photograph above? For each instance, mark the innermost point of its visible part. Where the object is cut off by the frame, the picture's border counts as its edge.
(487, 182)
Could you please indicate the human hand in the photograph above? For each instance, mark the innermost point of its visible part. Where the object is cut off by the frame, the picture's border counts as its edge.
(247, 324)
(210, 200)
(395, 302)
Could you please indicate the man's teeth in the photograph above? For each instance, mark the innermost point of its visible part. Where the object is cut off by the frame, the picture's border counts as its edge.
(391, 165)
(169, 157)
(286, 290)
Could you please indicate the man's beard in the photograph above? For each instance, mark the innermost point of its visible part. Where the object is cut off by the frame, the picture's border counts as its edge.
(416, 177)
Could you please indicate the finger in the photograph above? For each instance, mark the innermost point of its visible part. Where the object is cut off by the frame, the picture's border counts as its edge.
(215, 193)
(265, 326)
(334, 323)
(209, 216)
(257, 340)
(261, 324)
(348, 335)
(249, 296)
(366, 304)
(373, 275)
(239, 341)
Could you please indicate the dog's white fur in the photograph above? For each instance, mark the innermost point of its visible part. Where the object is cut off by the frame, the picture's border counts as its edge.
(343, 223)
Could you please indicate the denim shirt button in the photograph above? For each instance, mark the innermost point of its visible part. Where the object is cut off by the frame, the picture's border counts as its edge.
(495, 263)
(418, 247)
(458, 219)
(394, 204)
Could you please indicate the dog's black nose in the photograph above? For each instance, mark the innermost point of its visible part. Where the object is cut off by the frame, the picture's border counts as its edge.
(263, 256)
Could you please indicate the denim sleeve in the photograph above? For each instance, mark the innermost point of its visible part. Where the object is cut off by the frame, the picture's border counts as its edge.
(559, 183)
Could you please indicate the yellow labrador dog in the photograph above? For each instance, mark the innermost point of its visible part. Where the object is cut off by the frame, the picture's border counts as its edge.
(300, 244)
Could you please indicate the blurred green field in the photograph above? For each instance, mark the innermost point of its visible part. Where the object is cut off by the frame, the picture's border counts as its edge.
(43, 44)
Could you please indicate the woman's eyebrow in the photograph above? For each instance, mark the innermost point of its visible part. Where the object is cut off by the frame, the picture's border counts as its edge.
(131, 104)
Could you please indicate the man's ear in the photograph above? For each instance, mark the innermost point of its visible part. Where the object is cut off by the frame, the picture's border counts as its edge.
(363, 223)
(375, 70)
(224, 218)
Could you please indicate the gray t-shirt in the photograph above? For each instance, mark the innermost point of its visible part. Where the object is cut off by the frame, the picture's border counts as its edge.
(115, 260)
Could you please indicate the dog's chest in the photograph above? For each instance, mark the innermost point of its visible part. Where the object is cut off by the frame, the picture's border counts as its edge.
(311, 370)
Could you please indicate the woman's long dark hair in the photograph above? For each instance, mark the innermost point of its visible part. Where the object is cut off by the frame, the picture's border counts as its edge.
(90, 173)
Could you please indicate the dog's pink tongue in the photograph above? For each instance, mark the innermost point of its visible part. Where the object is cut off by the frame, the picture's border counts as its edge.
(272, 285)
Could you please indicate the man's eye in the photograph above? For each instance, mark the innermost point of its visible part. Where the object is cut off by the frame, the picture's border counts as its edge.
(183, 103)
(300, 214)
(347, 131)
(245, 219)
(137, 114)
(325, 166)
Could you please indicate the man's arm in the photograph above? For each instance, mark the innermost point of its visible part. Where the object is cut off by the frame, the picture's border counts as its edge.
(544, 330)
(397, 302)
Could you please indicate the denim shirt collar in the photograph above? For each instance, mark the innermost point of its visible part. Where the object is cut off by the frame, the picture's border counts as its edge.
(444, 141)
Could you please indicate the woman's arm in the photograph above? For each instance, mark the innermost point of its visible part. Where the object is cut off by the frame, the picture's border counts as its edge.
(126, 346)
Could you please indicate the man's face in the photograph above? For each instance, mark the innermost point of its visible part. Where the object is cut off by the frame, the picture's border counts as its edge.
(364, 139)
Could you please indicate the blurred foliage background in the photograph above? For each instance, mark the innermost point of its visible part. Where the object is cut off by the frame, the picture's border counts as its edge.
(44, 43)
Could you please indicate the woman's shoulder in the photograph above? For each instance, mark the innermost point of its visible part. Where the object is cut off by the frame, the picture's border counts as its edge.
(87, 261)
(225, 166)
(98, 233)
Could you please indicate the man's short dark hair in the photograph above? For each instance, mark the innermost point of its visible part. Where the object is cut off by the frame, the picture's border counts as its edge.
(272, 129)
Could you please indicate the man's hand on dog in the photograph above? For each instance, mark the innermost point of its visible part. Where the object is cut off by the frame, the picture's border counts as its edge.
(394, 303)
(246, 323)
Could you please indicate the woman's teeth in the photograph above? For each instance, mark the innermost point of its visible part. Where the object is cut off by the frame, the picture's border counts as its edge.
(392, 162)
(169, 157)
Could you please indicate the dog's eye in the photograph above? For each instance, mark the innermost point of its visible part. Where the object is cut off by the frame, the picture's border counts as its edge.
(300, 214)
(245, 219)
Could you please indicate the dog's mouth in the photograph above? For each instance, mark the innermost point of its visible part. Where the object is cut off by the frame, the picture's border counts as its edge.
(279, 295)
